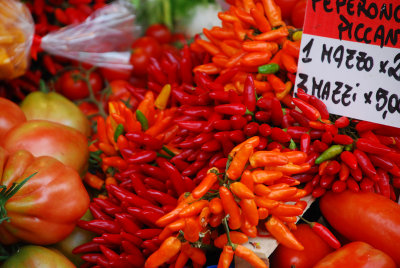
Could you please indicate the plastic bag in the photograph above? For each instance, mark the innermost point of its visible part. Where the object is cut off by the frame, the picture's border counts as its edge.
(104, 39)
(16, 34)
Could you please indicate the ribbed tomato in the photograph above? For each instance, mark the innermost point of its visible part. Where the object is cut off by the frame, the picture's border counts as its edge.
(10, 116)
(46, 208)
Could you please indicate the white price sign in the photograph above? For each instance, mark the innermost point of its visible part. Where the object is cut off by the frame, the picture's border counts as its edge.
(350, 58)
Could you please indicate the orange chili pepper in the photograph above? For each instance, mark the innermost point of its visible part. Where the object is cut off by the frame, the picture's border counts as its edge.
(93, 181)
(302, 204)
(216, 220)
(296, 157)
(107, 149)
(195, 254)
(111, 180)
(254, 46)
(264, 202)
(220, 60)
(249, 210)
(289, 62)
(210, 37)
(239, 161)
(276, 83)
(261, 190)
(249, 256)
(241, 190)
(159, 126)
(243, 16)
(290, 168)
(256, 58)
(239, 30)
(209, 47)
(286, 210)
(216, 206)
(266, 176)
(282, 194)
(273, 13)
(236, 237)
(101, 130)
(268, 158)
(291, 48)
(247, 228)
(282, 234)
(209, 180)
(227, 49)
(288, 88)
(263, 213)
(192, 229)
(172, 228)
(181, 260)
(247, 179)
(172, 215)
(258, 15)
(287, 219)
(226, 257)
(123, 143)
(204, 217)
(262, 87)
(168, 249)
(254, 141)
(272, 35)
(299, 194)
(230, 207)
(278, 186)
(193, 209)
(146, 106)
(209, 68)
(115, 161)
(222, 33)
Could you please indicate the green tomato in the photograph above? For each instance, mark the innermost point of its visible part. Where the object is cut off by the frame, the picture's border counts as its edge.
(76, 238)
(56, 108)
(37, 257)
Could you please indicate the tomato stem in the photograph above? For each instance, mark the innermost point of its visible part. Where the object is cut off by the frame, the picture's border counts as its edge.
(6, 194)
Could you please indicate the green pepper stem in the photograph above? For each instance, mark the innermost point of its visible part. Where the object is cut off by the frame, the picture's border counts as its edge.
(226, 227)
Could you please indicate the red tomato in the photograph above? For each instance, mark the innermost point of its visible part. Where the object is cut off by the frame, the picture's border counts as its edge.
(314, 250)
(10, 116)
(45, 210)
(356, 254)
(139, 60)
(88, 108)
(149, 45)
(286, 7)
(298, 14)
(42, 137)
(115, 74)
(37, 257)
(56, 108)
(159, 32)
(75, 89)
(366, 217)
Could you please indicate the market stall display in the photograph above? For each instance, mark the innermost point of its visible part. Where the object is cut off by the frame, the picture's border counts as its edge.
(198, 150)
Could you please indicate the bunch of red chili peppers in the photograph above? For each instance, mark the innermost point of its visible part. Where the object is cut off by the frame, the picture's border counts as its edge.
(208, 106)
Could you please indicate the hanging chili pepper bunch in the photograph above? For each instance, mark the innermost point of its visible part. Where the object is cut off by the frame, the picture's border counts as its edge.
(252, 192)
(344, 159)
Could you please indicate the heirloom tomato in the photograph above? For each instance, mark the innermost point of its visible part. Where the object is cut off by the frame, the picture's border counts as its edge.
(115, 74)
(10, 116)
(56, 108)
(314, 249)
(46, 208)
(366, 217)
(160, 32)
(42, 137)
(32, 256)
(356, 254)
(72, 86)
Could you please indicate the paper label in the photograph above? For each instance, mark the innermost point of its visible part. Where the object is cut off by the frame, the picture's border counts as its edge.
(350, 58)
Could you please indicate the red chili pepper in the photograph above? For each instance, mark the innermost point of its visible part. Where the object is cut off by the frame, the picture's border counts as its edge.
(194, 126)
(107, 226)
(372, 147)
(384, 182)
(349, 159)
(231, 109)
(124, 195)
(108, 206)
(300, 118)
(277, 113)
(97, 213)
(86, 248)
(174, 175)
(365, 163)
(324, 233)
(279, 135)
(142, 157)
(342, 139)
(249, 93)
(320, 106)
(342, 122)
(332, 168)
(339, 186)
(381, 161)
(127, 223)
(162, 198)
(352, 185)
(309, 111)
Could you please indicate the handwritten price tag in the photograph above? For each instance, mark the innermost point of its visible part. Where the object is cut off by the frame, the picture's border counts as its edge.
(350, 58)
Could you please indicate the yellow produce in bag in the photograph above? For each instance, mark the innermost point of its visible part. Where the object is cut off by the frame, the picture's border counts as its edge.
(16, 34)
